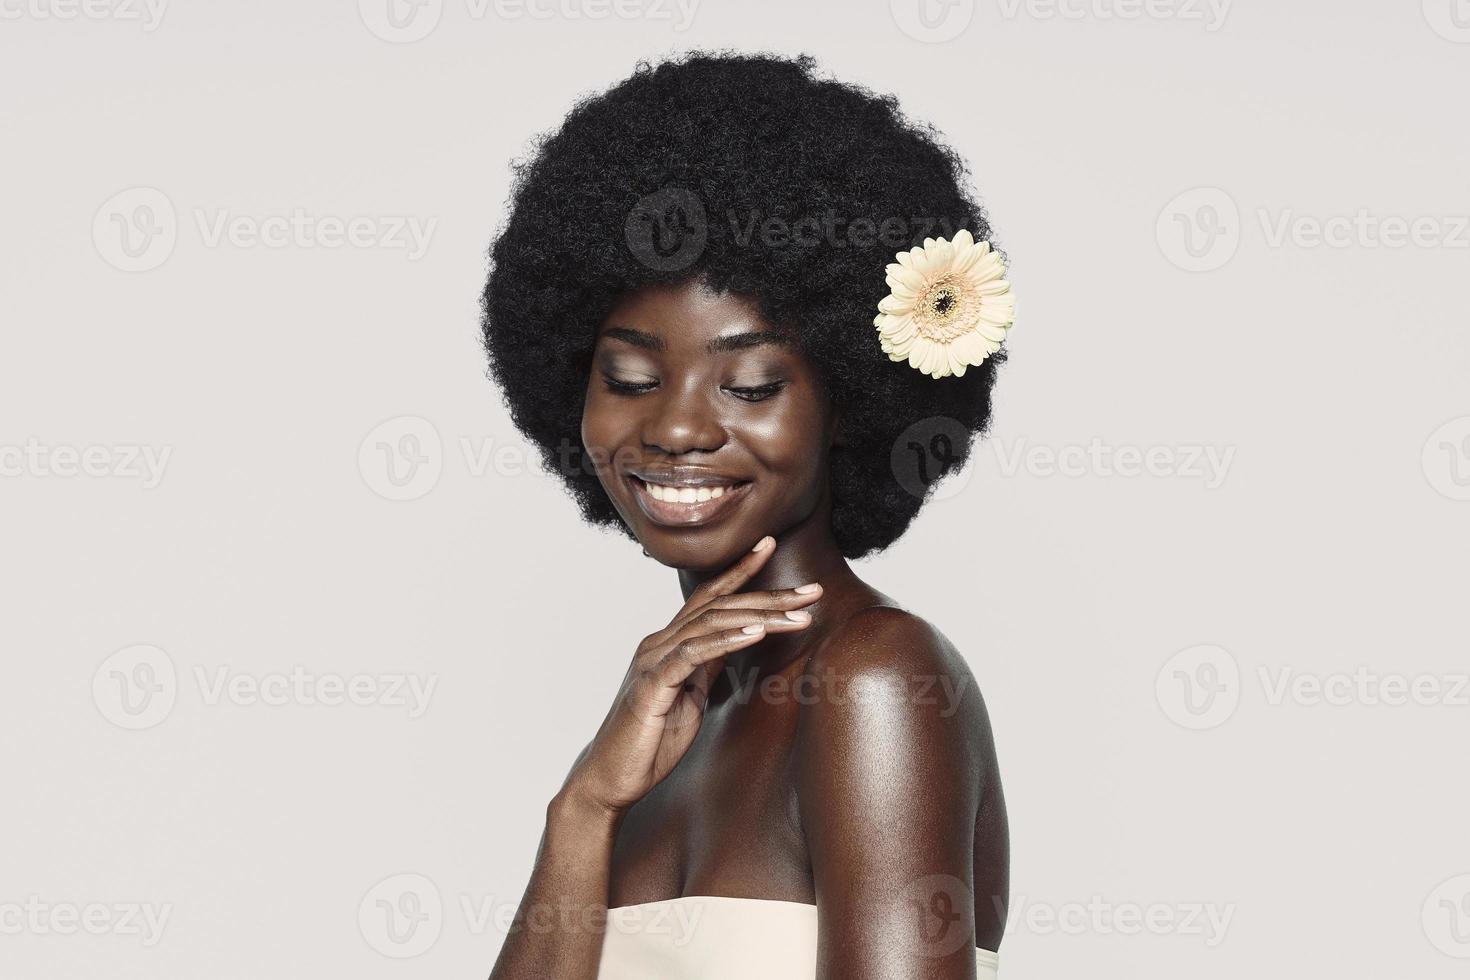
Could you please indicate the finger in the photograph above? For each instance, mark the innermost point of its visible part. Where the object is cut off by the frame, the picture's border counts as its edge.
(690, 655)
(732, 578)
(802, 595)
(768, 599)
(656, 645)
(716, 620)
(659, 685)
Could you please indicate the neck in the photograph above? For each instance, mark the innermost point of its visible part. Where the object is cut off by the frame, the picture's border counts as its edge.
(805, 553)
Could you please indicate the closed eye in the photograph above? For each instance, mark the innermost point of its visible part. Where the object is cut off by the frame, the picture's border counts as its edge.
(628, 387)
(759, 392)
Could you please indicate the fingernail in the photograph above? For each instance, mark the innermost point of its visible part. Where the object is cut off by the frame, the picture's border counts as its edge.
(754, 628)
(807, 589)
(763, 543)
(799, 615)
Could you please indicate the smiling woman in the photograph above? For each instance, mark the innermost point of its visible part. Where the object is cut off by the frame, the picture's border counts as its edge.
(756, 410)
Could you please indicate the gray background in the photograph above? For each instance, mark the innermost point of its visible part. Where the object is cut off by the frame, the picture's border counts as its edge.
(344, 496)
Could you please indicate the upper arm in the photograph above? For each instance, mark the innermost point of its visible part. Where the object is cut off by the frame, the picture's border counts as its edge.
(892, 750)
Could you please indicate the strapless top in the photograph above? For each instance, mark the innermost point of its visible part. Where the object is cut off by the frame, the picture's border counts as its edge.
(701, 937)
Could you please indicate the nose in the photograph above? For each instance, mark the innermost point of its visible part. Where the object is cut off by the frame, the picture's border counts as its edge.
(682, 421)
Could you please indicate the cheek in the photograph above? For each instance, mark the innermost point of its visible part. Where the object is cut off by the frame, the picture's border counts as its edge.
(602, 415)
(602, 429)
(792, 445)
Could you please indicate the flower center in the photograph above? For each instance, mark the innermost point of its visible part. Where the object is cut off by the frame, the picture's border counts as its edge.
(944, 304)
(945, 311)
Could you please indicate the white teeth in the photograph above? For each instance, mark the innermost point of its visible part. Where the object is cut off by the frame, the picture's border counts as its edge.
(684, 495)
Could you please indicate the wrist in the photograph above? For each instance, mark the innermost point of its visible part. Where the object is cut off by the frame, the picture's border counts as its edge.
(577, 816)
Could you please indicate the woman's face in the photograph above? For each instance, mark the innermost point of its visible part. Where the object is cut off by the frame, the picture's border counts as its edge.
(708, 432)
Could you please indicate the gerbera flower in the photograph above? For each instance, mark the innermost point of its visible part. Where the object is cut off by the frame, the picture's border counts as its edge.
(949, 308)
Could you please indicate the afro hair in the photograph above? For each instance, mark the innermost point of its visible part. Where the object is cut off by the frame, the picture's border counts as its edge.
(760, 178)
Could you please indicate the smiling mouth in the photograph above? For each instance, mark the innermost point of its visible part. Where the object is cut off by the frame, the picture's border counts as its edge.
(686, 506)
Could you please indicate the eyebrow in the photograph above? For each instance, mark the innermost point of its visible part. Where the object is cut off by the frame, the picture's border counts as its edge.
(722, 344)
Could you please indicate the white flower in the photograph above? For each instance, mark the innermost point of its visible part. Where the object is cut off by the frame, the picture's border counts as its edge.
(949, 308)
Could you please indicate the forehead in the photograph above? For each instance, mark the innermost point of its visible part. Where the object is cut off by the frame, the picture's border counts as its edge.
(688, 316)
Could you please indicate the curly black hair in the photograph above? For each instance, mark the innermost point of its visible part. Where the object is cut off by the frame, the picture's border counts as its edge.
(762, 179)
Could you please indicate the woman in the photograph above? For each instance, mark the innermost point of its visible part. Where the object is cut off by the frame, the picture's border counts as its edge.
(750, 316)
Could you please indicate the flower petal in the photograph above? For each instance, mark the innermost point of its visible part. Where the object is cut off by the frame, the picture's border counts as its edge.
(905, 274)
(900, 290)
(956, 363)
(988, 267)
(898, 328)
(992, 334)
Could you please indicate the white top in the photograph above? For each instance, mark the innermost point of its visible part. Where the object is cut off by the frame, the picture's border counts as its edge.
(700, 937)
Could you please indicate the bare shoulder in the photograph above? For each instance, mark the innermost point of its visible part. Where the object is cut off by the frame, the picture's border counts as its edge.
(888, 680)
(884, 639)
(891, 650)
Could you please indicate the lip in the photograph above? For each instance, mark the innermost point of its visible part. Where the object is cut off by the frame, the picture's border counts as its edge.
(683, 476)
(672, 514)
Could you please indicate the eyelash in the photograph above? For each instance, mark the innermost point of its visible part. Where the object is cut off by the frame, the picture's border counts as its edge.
(758, 393)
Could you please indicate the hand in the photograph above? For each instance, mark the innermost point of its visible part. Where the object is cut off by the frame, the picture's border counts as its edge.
(662, 699)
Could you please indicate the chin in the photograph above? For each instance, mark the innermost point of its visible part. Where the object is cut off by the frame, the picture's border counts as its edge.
(691, 552)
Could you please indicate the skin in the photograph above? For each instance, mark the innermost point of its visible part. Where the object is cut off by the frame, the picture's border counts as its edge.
(842, 757)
